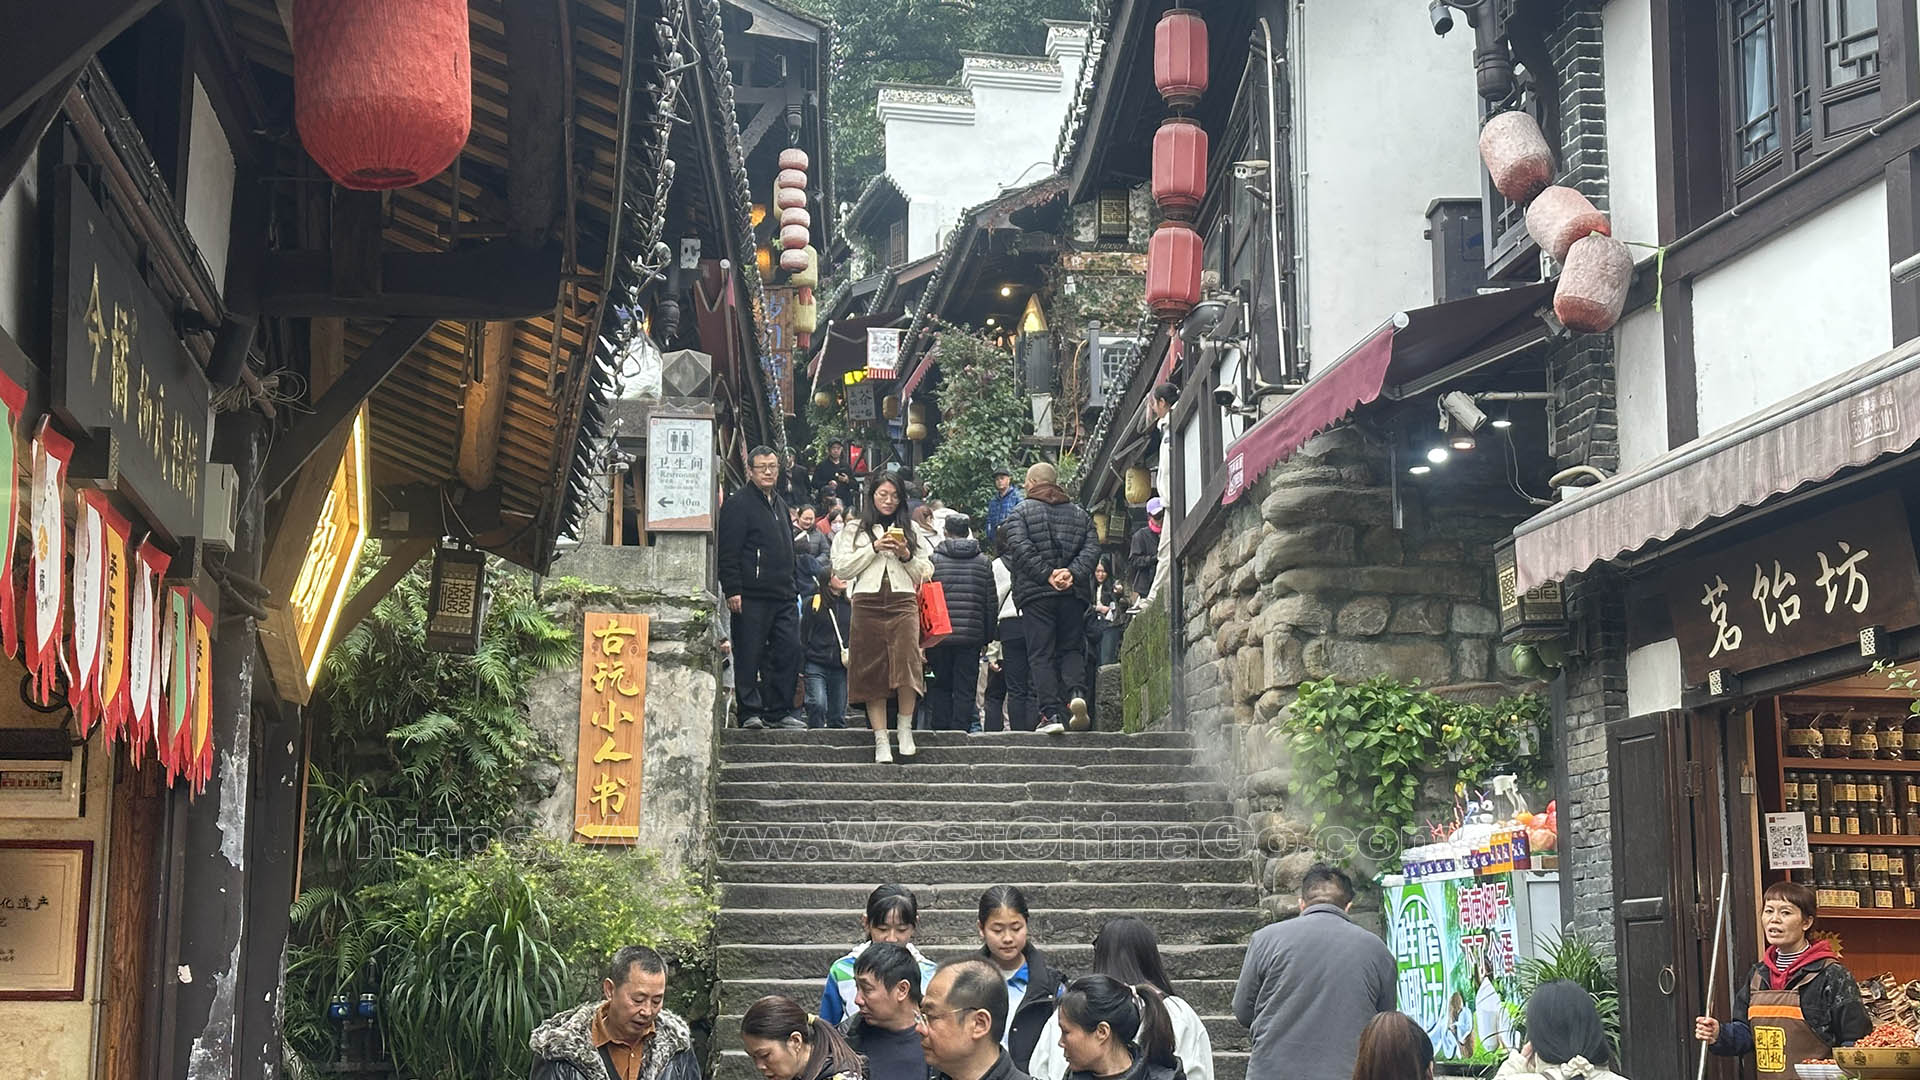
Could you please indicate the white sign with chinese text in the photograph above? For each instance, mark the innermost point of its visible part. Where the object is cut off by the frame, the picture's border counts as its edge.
(679, 494)
(1787, 842)
(883, 352)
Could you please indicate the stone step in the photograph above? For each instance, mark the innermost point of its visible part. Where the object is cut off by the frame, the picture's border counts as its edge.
(1209, 997)
(811, 961)
(955, 927)
(1225, 1032)
(1032, 750)
(862, 807)
(1109, 740)
(1153, 843)
(735, 1065)
(1117, 770)
(1058, 895)
(913, 788)
(1029, 873)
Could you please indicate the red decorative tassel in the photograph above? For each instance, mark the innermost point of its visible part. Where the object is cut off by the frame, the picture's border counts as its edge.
(13, 399)
(115, 705)
(89, 605)
(46, 567)
(144, 668)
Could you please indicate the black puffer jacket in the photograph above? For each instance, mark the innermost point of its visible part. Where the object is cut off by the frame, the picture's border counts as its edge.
(972, 601)
(756, 546)
(1044, 987)
(1044, 533)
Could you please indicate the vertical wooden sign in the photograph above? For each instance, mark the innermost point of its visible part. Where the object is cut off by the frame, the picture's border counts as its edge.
(613, 699)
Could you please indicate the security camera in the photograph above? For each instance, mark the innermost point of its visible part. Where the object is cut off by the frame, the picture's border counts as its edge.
(1442, 17)
(1247, 170)
(1459, 405)
(1226, 395)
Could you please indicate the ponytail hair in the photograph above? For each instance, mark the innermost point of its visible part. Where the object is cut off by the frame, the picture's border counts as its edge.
(779, 1017)
(1137, 1015)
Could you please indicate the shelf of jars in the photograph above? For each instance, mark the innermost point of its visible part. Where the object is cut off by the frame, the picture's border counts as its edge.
(1870, 840)
(1863, 913)
(1852, 765)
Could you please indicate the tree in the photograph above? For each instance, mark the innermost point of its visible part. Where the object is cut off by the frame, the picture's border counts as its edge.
(919, 41)
(984, 415)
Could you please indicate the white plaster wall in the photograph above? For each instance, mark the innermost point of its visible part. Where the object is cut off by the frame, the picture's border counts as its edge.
(1380, 145)
(1626, 38)
(1811, 303)
(209, 184)
(19, 247)
(1654, 681)
(1640, 382)
(53, 1040)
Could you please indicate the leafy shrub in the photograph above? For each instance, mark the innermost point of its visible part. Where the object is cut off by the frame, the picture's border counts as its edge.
(983, 415)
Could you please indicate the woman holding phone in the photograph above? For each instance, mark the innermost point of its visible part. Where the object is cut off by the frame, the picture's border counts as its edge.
(884, 566)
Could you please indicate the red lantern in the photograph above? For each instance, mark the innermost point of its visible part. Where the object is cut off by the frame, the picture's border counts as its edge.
(1180, 167)
(793, 158)
(1174, 256)
(382, 89)
(1180, 58)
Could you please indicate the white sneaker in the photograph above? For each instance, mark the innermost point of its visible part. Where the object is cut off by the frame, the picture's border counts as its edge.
(882, 751)
(907, 748)
(1079, 720)
(1054, 728)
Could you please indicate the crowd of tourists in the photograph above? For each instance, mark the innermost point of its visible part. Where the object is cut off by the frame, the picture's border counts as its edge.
(823, 568)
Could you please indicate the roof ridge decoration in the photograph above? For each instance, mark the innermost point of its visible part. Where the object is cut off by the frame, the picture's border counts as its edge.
(1019, 198)
(1012, 61)
(1099, 29)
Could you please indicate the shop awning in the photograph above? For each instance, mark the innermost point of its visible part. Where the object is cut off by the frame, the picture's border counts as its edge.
(1851, 420)
(1405, 349)
(846, 346)
(920, 370)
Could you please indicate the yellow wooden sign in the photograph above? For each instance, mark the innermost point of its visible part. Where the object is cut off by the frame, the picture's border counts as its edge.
(613, 724)
(310, 572)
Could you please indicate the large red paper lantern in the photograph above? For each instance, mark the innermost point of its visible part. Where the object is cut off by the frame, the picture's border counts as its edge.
(1180, 167)
(1174, 256)
(1180, 58)
(382, 89)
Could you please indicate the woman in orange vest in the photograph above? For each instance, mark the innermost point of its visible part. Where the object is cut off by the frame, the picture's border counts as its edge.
(1798, 1004)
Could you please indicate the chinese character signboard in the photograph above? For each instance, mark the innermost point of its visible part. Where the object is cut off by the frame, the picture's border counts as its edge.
(1454, 943)
(883, 352)
(1811, 586)
(45, 891)
(119, 368)
(679, 496)
(613, 701)
(320, 564)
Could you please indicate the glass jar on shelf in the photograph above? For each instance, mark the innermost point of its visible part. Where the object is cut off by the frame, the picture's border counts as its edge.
(1836, 735)
(1893, 737)
(1803, 738)
(1866, 737)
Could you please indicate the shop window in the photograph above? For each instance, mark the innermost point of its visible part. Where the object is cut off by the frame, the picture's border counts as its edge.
(897, 243)
(1795, 76)
(1249, 209)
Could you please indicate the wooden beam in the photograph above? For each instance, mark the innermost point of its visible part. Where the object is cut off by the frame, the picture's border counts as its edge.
(405, 555)
(47, 43)
(497, 280)
(485, 406)
(536, 134)
(354, 237)
(334, 410)
(18, 139)
(758, 127)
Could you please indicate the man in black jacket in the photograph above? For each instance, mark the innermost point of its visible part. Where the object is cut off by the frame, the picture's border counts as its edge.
(973, 604)
(757, 578)
(833, 476)
(1051, 549)
(627, 1035)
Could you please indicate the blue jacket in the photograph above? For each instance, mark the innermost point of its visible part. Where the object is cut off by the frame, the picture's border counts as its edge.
(999, 508)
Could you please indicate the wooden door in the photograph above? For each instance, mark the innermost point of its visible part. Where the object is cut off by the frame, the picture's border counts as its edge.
(1649, 837)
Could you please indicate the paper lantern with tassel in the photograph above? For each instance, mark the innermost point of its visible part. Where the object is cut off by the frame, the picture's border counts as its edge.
(1593, 285)
(1139, 486)
(793, 158)
(808, 276)
(1180, 58)
(382, 90)
(794, 259)
(1174, 256)
(1559, 216)
(1516, 155)
(822, 400)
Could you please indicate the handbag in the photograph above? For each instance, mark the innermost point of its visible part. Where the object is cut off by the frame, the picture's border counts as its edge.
(936, 624)
(835, 620)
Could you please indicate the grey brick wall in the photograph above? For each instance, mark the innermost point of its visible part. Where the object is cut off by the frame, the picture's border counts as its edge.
(1586, 432)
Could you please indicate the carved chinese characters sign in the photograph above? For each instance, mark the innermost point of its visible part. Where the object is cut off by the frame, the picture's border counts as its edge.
(45, 905)
(613, 701)
(319, 568)
(119, 368)
(1811, 586)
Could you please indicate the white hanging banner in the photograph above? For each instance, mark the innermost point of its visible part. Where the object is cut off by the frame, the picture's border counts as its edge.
(883, 352)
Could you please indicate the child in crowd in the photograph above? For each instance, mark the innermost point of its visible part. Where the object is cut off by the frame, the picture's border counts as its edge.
(824, 620)
(1033, 986)
(892, 914)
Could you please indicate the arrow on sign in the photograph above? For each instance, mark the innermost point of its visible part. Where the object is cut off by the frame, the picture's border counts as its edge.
(609, 832)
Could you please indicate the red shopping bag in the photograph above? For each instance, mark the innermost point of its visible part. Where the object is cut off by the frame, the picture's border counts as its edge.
(936, 625)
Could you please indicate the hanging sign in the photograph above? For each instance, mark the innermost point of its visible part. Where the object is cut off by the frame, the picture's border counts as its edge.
(144, 672)
(320, 565)
(172, 735)
(860, 402)
(883, 352)
(199, 759)
(119, 367)
(613, 700)
(1810, 586)
(13, 401)
(116, 611)
(679, 495)
(46, 889)
(46, 564)
(89, 609)
(456, 601)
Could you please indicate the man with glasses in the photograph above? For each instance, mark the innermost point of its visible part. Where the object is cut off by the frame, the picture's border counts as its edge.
(962, 1016)
(757, 577)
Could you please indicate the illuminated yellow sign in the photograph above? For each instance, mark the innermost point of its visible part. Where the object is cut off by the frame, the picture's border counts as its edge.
(304, 613)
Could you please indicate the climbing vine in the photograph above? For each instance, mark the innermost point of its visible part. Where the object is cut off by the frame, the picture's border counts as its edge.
(984, 415)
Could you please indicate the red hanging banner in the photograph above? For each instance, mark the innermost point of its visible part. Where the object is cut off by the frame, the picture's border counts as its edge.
(89, 606)
(13, 402)
(200, 766)
(116, 612)
(144, 707)
(46, 569)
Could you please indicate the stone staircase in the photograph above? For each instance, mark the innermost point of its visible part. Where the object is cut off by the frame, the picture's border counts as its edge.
(1090, 825)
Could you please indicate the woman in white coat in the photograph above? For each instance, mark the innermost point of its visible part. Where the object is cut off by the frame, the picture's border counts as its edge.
(884, 564)
(1126, 949)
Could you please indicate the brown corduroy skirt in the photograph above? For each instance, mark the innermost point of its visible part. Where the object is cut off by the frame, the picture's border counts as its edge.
(883, 646)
